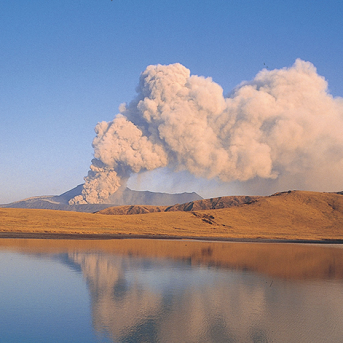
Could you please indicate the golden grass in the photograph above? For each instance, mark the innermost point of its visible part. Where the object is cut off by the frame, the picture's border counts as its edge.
(289, 216)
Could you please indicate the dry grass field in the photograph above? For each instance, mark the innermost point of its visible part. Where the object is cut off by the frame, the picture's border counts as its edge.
(295, 215)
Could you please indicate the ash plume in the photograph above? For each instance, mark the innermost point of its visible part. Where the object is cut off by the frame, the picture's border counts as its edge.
(283, 127)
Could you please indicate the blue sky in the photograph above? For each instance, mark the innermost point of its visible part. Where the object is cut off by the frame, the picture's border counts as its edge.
(66, 65)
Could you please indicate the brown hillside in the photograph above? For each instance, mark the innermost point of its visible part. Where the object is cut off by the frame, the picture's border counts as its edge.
(310, 214)
(204, 204)
(213, 203)
(132, 209)
(289, 215)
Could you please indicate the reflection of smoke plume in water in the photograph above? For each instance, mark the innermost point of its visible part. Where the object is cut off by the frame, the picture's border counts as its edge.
(283, 126)
(163, 299)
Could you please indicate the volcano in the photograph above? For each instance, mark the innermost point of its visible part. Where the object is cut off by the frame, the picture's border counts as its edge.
(125, 196)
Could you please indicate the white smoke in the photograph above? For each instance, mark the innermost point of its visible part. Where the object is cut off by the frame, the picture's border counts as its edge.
(283, 125)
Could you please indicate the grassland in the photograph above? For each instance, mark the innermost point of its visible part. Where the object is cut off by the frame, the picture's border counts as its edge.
(292, 215)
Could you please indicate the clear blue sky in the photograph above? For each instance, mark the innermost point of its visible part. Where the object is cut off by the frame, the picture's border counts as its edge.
(66, 65)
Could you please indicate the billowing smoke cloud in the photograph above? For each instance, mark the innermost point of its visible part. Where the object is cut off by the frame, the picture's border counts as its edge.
(283, 125)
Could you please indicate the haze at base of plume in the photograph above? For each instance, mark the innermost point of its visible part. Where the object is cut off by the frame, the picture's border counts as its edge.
(164, 181)
(282, 129)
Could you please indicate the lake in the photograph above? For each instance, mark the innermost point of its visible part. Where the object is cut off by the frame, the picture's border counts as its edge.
(133, 290)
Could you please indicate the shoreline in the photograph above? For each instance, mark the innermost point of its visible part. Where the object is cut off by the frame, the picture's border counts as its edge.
(106, 236)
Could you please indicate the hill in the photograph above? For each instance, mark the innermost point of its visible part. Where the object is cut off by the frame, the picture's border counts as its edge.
(197, 205)
(293, 215)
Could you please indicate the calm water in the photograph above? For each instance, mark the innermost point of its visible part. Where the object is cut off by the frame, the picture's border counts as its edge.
(163, 291)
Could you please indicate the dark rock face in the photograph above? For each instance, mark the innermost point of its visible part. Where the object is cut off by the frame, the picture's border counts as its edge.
(125, 197)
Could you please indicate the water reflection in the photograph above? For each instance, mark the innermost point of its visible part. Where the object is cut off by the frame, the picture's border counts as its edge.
(186, 291)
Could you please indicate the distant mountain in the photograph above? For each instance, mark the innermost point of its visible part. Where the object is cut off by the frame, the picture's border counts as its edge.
(130, 197)
(125, 197)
